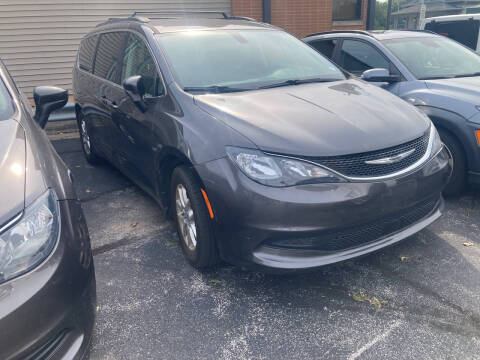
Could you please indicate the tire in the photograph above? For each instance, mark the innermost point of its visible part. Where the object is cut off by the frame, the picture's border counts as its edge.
(457, 182)
(202, 252)
(87, 145)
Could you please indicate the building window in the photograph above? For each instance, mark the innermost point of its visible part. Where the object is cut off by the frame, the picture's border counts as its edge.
(347, 10)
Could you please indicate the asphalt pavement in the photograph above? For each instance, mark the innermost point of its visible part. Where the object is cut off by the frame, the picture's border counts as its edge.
(419, 299)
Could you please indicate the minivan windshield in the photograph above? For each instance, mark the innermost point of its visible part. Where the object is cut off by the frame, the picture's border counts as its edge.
(237, 60)
(435, 57)
(6, 103)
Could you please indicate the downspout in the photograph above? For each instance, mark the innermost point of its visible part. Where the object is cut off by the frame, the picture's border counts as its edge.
(267, 11)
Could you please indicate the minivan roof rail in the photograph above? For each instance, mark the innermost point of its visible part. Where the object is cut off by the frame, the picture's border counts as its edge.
(130, 18)
(161, 14)
(341, 31)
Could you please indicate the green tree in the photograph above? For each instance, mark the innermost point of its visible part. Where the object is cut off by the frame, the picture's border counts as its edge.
(381, 11)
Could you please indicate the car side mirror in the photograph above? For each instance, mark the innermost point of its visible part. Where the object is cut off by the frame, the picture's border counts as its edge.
(379, 75)
(135, 90)
(47, 99)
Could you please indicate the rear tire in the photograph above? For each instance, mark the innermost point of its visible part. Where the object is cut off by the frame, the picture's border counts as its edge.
(192, 219)
(87, 146)
(457, 182)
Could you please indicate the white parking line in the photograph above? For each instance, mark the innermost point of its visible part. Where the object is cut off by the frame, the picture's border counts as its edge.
(378, 338)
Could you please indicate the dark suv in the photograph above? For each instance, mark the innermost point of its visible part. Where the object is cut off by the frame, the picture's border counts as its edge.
(438, 75)
(264, 152)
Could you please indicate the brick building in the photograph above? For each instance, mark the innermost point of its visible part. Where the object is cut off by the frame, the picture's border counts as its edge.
(303, 17)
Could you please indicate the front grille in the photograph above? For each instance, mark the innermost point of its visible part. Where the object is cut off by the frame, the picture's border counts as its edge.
(354, 165)
(48, 350)
(359, 235)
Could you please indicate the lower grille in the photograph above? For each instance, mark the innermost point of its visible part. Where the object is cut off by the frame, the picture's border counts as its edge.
(359, 235)
(356, 165)
(48, 350)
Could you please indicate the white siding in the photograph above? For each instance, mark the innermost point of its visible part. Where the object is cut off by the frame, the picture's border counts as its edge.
(39, 38)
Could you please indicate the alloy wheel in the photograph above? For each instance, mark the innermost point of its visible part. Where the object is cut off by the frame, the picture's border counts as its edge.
(85, 137)
(186, 218)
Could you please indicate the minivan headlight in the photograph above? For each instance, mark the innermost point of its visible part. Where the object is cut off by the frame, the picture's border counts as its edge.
(436, 141)
(27, 243)
(279, 171)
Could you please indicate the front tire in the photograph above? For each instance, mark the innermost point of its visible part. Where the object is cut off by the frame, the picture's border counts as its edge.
(87, 145)
(192, 219)
(458, 180)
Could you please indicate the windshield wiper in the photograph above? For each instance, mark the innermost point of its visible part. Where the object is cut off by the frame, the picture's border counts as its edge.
(436, 77)
(296, 82)
(213, 89)
(468, 75)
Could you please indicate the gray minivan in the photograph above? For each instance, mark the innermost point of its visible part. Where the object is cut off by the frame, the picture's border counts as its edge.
(436, 74)
(264, 152)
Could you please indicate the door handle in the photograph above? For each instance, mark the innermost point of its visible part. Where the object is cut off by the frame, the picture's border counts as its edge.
(109, 102)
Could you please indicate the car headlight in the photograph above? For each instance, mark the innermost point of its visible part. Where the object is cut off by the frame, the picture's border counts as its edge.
(279, 171)
(28, 242)
(436, 141)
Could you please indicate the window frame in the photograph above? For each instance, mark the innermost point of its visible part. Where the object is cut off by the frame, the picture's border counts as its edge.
(155, 62)
(142, 37)
(392, 68)
(359, 11)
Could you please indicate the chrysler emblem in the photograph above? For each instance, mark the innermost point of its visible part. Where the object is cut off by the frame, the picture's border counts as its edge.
(390, 159)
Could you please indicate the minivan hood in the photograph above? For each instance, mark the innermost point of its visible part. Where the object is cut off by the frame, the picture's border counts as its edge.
(12, 169)
(321, 119)
(460, 95)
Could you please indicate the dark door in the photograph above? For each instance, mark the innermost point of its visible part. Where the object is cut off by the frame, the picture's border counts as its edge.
(107, 71)
(134, 126)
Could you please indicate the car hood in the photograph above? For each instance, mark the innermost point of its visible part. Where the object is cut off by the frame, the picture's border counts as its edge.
(12, 169)
(460, 95)
(321, 119)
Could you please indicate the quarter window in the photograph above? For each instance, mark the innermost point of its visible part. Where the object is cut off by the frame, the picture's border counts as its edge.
(137, 60)
(87, 52)
(107, 61)
(357, 57)
(326, 47)
(347, 10)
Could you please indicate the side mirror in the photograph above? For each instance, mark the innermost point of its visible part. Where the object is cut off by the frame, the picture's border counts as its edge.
(379, 75)
(48, 99)
(135, 90)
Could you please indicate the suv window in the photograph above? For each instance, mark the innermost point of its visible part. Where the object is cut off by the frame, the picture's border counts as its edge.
(137, 60)
(325, 47)
(87, 52)
(107, 61)
(6, 103)
(358, 56)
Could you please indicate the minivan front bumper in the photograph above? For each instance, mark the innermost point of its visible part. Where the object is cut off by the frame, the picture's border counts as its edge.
(306, 226)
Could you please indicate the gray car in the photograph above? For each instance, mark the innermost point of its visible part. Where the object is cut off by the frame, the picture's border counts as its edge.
(264, 152)
(439, 76)
(47, 279)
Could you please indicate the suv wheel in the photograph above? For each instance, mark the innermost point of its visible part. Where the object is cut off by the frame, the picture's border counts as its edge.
(192, 219)
(87, 146)
(459, 175)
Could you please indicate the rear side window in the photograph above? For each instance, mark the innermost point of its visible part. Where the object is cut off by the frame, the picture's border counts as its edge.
(107, 60)
(464, 31)
(6, 103)
(87, 52)
(357, 57)
(137, 60)
(326, 47)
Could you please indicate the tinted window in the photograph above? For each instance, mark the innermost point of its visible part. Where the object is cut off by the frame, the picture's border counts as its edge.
(347, 10)
(242, 58)
(357, 56)
(465, 31)
(107, 61)
(6, 103)
(137, 60)
(87, 52)
(326, 47)
(435, 57)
